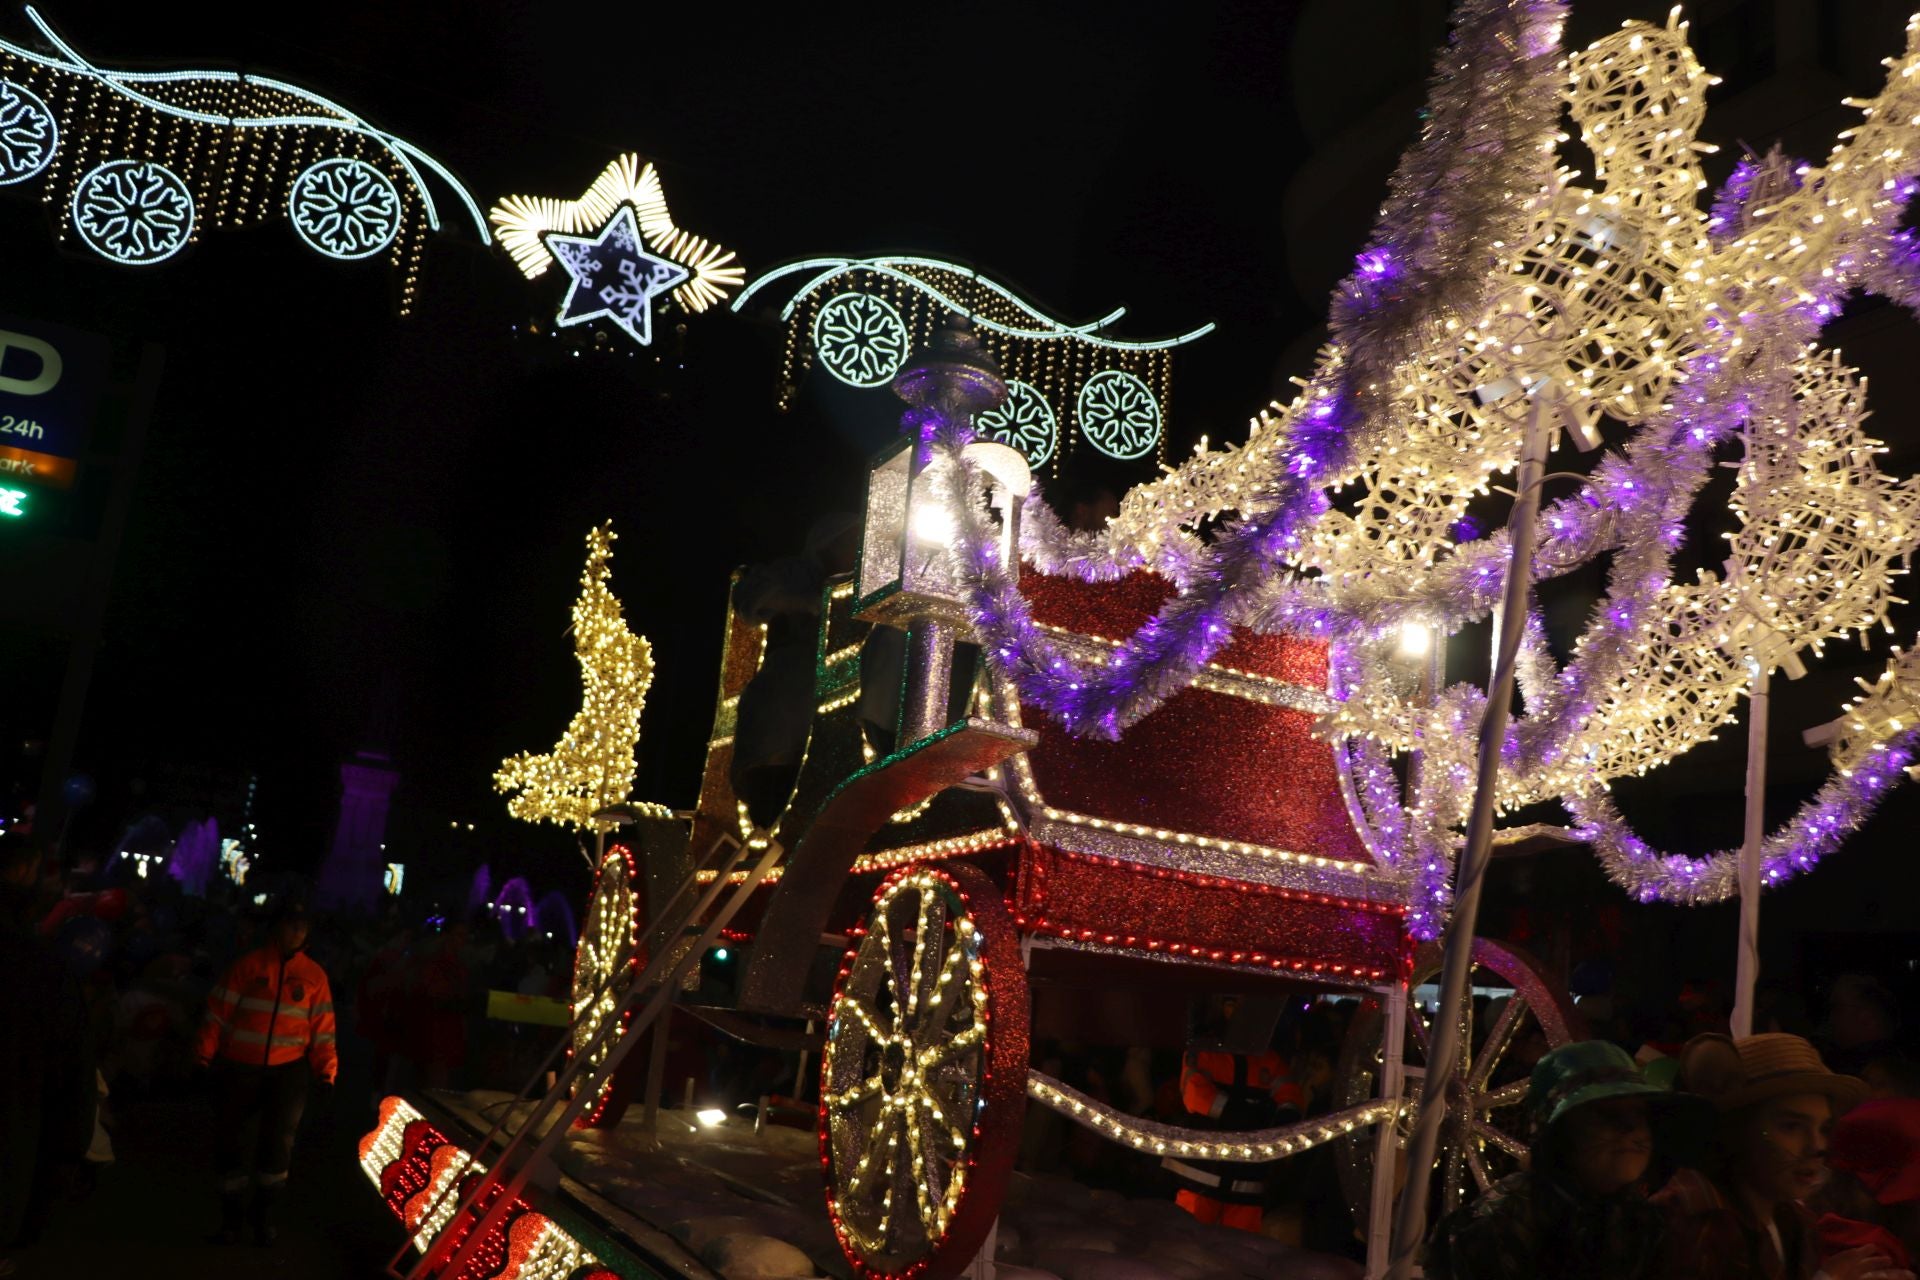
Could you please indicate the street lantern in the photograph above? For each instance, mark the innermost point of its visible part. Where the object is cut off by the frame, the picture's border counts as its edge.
(908, 578)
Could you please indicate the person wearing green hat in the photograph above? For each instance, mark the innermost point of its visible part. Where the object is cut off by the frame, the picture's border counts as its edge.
(1579, 1211)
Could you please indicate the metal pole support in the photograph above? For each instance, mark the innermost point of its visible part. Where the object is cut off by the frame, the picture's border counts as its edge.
(1443, 1059)
(1747, 966)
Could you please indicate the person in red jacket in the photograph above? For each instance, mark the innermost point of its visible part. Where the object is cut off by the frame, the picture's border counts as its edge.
(1222, 1089)
(269, 1023)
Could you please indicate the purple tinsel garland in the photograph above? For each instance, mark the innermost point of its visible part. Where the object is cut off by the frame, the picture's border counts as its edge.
(1836, 811)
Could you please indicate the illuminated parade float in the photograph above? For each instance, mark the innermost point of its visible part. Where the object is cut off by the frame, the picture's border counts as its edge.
(1211, 746)
(1053, 777)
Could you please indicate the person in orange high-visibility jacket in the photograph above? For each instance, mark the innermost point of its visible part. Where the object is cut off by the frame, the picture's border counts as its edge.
(1231, 1091)
(269, 1022)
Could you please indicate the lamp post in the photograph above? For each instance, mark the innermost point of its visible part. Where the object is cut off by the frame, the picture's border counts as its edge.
(907, 578)
(1445, 1050)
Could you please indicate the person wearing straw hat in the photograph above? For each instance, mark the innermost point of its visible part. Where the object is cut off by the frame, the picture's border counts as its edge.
(1738, 1215)
(1579, 1211)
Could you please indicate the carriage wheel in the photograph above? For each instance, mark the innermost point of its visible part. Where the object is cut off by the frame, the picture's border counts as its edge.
(611, 943)
(923, 1078)
(1487, 1133)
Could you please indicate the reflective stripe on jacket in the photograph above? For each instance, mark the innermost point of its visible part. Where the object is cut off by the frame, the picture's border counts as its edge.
(1210, 1077)
(268, 1011)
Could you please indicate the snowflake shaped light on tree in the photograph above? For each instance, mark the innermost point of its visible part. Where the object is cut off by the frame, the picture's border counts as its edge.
(133, 211)
(345, 208)
(1640, 322)
(861, 339)
(1118, 415)
(1024, 421)
(28, 134)
(592, 765)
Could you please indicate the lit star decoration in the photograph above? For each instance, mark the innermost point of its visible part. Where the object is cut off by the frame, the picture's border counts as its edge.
(613, 276)
(1639, 320)
(592, 765)
(528, 227)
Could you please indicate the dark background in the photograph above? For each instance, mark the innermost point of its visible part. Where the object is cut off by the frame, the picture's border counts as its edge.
(353, 531)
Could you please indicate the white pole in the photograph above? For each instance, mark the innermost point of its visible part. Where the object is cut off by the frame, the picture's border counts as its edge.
(1443, 1060)
(1393, 1035)
(1747, 971)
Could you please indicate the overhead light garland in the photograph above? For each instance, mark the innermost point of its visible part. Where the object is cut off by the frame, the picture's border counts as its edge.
(137, 165)
(862, 318)
(591, 768)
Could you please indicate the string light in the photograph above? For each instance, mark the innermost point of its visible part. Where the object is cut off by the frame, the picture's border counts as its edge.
(862, 317)
(1253, 1147)
(241, 150)
(889, 859)
(591, 768)
(610, 942)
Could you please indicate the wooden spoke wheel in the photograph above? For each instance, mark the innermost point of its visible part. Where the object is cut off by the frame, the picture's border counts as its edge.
(610, 955)
(1487, 1133)
(924, 1074)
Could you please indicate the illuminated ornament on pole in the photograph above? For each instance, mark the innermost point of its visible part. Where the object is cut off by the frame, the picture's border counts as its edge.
(133, 212)
(591, 768)
(28, 134)
(621, 219)
(1025, 422)
(864, 318)
(861, 339)
(165, 155)
(345, 208)
(613, 277)
(1118, 415)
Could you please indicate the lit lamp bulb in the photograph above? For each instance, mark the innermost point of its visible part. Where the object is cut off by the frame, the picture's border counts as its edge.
(1416, 639)
(931, 525)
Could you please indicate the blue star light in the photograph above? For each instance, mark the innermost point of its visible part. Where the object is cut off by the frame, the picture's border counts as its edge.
(613, 276)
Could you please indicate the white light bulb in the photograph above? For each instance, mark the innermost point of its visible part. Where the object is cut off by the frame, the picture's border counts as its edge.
(931, 524)
(1416, 639)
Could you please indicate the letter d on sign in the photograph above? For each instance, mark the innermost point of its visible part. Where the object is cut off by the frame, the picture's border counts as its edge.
(41, 382)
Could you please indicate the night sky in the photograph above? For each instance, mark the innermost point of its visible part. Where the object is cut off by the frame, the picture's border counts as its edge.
(353, 530)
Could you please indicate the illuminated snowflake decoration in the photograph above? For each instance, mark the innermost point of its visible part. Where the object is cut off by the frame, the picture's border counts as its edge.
(28, 134)
(133, 211)
(344, 208)
(861, 339)
(1025, 422)
(1118, 415)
